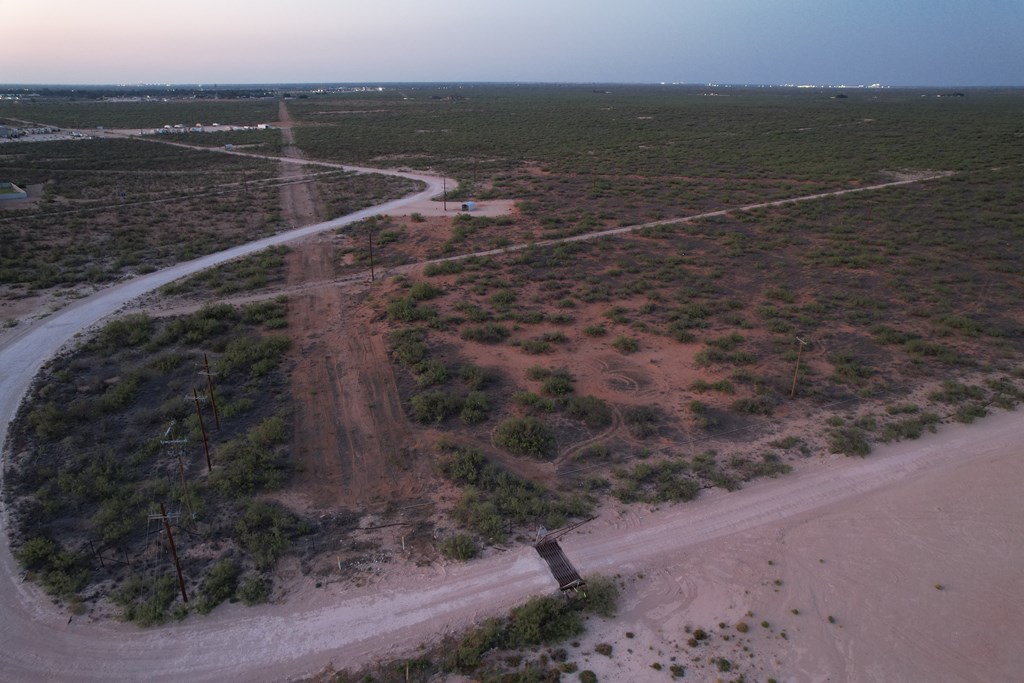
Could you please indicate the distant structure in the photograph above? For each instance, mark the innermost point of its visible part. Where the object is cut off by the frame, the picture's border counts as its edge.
(10, 191)
(8, 132)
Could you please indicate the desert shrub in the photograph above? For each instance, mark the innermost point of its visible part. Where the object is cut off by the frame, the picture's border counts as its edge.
(459, 547)
(147, 605)
(955, 392)
(528, 399)
(595, 330)
(847, 368)
(535, 346)
(756, 405)
(264, 531)
(592, 410)
(624, 344)
(435, 406)
(526, 436)
(726, 343)
(219, 585)
(408, 347)
(431, 372)
(603, 649)
(259, 355)
(969, 413)
(588, 676)
(475, 408)
(407, 310)
(270, 314)
(642, 421)
(423, 291)
(254, 590)
(558, 384)
(253, 462)
(849, 441)
(908, 428)
(543, 620)
(475, 377)
(490, 333)
(602, 596)
(131, 330)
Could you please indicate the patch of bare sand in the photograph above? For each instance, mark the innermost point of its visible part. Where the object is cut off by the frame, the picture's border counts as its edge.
(922, 581)
(430, 207)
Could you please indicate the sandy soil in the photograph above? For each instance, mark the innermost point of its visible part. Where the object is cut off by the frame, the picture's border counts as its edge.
(920, 577)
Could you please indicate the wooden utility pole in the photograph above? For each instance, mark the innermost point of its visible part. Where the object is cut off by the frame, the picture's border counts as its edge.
(174, 551)
(178, 445)
(202, 428)
(444, 193)
(369, 234)
(796, 372)
(209, 388)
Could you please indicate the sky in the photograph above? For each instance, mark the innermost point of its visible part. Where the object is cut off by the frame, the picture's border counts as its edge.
(891, 42)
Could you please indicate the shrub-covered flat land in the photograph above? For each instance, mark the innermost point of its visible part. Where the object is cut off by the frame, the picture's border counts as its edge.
(531, 384)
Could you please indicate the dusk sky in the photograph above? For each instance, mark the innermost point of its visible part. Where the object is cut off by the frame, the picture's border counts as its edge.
(893, 42)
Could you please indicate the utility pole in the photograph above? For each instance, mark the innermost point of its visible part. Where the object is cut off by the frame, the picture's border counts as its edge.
(209, 388)
(174, 551)
(369, 234)
(796, 372)
(177, 445)
(202, 428)
(444, 193)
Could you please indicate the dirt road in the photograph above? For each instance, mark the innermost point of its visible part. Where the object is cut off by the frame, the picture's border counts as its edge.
(348, 626)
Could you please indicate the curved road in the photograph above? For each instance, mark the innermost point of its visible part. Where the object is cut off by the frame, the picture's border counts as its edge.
(349, 626)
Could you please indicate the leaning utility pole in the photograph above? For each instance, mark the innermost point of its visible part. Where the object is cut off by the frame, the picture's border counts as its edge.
(796, 372)
(369, 234)
(174, 551)
(209, 388)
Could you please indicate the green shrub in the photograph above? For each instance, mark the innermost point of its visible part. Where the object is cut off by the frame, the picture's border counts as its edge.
(423, 291)
(264, 531)
(592, 410)
(543, 620)
(459, 547)
(475, 408)
(849, 441)
(490, 333)
(130, 331)
(220, 585)
(253, 590)
(526, 436)
(559, 384)
(625, 344)
(435, 406)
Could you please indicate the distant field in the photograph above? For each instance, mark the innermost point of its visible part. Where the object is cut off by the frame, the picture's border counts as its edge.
(89, 114)
(639, 153)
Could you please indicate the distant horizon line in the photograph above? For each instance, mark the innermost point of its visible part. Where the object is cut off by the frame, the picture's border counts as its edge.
(383, 83)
